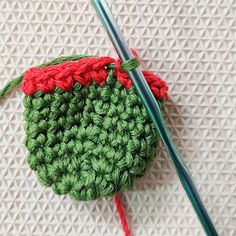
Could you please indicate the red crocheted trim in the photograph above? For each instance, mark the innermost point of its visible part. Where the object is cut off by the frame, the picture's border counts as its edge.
(84, 71)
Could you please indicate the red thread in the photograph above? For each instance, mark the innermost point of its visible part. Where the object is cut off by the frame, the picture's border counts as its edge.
(121, 213)
(85, 71)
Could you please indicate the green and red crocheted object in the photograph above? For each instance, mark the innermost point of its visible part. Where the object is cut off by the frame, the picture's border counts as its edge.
(87, 132)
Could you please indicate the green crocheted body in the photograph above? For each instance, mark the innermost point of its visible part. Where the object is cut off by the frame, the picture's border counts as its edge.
(91, 142)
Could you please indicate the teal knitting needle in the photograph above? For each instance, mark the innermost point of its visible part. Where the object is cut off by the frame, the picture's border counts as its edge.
(154, 111)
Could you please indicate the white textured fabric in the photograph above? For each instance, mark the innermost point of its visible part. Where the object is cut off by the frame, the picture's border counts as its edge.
(192, 45)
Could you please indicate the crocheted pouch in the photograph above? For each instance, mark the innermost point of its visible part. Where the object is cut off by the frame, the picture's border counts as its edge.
(87, 132)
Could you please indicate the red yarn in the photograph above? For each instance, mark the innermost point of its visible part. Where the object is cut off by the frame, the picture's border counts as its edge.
(121, 213)
(84, 71)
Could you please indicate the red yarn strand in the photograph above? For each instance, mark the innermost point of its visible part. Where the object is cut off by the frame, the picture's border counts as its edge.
(84, 71)
(121, 213)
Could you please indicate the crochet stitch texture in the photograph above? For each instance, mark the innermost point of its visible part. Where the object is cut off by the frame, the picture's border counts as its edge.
(87, 132)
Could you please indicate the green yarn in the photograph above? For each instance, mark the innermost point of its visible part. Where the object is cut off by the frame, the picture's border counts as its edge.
(11, 85)
(17, 81)
(126, 66)
(130, 64)
(90, 142)
(62, 59)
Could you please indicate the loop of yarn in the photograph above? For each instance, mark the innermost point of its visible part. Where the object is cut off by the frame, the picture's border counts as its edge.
(130, 64)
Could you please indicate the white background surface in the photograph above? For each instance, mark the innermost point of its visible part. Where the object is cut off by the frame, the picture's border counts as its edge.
(189, 43)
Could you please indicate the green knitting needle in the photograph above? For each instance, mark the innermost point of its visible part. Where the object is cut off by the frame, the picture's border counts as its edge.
(154, 111)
